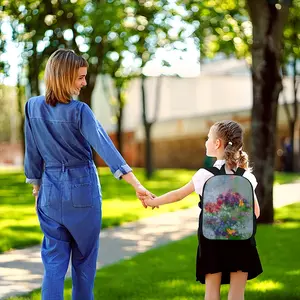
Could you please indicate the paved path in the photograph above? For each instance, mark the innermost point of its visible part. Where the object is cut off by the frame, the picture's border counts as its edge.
(21, 270)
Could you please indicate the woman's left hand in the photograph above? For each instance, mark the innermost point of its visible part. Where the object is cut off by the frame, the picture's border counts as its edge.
(142, 193)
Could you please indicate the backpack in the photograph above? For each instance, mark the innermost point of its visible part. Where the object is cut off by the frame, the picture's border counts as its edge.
(227, 206)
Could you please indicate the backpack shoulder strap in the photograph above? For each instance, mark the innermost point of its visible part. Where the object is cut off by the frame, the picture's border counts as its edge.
(213, 170)
(240, 171)
(222, 170)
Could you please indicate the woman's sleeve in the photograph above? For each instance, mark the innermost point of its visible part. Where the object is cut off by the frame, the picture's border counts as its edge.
(33, 162)
(96, 136)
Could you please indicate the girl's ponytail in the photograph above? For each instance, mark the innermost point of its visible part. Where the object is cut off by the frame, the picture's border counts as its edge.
(230, 157)
(231, 133)
(243, 160)
(236, 158)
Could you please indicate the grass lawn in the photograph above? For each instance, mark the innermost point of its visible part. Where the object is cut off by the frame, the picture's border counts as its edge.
(282, 178)
(19, 226)
(168, 272)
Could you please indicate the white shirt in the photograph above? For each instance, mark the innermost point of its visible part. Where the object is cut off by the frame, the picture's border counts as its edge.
(202, 175)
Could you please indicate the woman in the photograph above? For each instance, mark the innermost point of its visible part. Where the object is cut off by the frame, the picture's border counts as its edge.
(59, 134)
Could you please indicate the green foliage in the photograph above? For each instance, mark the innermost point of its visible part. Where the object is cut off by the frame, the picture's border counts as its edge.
(104, 32)
(168, 272)
(221, 27)
(225, 27)
(4, 67)
(292, 34)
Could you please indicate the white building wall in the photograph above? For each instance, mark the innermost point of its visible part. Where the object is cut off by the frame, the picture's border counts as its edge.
(181, 99)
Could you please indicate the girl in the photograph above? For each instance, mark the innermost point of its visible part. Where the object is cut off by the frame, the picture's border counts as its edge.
(59, 134)
(221, 262)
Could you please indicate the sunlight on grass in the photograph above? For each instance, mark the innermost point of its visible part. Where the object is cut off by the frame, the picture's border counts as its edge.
(294, 272)
(195, 288)
(19, 225)
(288, 225)
(168, 272)
(285, 214)
(282, 178)
(265, 286)
(172, 283)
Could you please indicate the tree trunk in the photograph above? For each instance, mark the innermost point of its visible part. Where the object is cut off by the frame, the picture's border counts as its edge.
(148, 149)
(120, 120)
(93, 72)
(268, 23)
(295, 156)
(20, 97)
(147, 127)
(33, 74)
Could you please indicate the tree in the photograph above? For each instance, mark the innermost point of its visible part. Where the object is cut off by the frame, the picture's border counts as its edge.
(224, 26)
(4, 66)
(118, 101)
(147, 30)
(39, 28)
(94, 29)
(290, 59)
(268, 21)
(220, 27)
(153, 23)
(121, 75)
(86, 26)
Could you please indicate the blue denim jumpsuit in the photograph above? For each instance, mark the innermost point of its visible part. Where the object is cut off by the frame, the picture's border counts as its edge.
(58, 157)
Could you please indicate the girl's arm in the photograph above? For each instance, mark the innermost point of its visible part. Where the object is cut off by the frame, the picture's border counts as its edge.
(256, 207)
(172, 196)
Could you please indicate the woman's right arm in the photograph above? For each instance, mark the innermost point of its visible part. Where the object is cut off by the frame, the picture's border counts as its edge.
(97, 137)
(141, 192)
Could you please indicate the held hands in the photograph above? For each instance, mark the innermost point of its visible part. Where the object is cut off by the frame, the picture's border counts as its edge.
(144, 194)
(149, 201)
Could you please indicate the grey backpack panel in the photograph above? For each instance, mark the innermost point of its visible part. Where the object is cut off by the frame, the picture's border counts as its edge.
(228, 208)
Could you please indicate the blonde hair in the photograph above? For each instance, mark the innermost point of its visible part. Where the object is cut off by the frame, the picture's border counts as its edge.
(231, 133)
(60, 75)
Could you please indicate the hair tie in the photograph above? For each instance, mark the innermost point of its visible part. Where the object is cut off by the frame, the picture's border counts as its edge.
(230, 143)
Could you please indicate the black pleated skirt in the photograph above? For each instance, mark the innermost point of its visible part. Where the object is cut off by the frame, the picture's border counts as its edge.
(226, 257)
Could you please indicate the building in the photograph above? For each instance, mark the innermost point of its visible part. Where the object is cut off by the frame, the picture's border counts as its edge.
(187, 109)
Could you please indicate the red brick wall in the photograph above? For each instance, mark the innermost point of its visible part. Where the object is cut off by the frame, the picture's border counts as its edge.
(187, 152)
(11, 154)
(130, 149)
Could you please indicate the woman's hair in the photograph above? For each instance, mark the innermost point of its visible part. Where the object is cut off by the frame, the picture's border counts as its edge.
(231, 134)
(60, 75)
